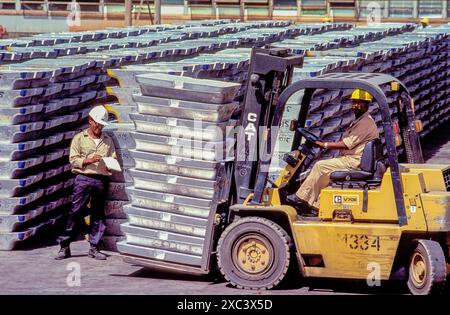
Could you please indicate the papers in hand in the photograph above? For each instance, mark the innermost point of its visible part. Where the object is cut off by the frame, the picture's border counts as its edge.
(111, 164)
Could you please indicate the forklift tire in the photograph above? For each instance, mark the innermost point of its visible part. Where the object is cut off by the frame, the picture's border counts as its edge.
(427, 268)
(254, 253)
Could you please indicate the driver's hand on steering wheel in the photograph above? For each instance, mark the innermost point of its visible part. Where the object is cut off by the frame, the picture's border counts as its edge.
(320, 144)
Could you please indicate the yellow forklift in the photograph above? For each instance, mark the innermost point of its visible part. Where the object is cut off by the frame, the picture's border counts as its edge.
(378, 219)
(371, 222)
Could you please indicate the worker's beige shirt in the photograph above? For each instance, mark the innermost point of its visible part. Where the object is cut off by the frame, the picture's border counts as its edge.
(83, 146)
(361, 131)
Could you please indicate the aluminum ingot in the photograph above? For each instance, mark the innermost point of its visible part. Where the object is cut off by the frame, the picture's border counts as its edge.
(189, 89)
(163, 240)
(166, 221)
(169, 164)
(175, 184)
(184, 109)
(200, 150)
(172, 203)
(182, 128)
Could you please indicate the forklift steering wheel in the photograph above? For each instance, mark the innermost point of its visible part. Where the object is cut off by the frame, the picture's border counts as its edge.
(309, 136)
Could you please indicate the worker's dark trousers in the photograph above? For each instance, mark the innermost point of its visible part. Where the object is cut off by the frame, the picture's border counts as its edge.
(94, 188)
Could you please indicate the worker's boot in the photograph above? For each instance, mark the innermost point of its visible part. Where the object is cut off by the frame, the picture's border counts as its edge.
(95, 253)
(64, 252)
(302, 207)
(313, 211)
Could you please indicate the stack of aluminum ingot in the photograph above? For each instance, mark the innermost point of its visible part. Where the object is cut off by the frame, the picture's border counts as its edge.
(419, 59)
(120, 131)
(43, 104)
(64, 44)
(182, 167)
(226, 66)
(428, 79)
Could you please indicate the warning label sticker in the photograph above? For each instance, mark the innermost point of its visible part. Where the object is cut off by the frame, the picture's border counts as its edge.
(349, 200)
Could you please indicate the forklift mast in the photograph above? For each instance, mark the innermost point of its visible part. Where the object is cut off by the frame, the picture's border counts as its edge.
(270, 72)
(411, 139)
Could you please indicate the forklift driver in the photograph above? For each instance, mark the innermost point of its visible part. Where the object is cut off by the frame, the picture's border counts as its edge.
(357, 135)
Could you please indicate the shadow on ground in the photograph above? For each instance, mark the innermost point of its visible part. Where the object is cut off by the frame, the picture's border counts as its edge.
(352, 286)
(436, 141)
(155, 273)
(295, 283)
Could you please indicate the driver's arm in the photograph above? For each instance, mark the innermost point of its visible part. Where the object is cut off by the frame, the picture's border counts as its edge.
(340, 145)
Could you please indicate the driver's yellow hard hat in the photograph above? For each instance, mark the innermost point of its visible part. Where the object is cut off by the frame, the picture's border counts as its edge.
(425, 21)
(326, 19)
(361, 95)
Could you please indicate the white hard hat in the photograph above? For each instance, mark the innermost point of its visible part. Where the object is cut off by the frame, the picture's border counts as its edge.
(99, 114)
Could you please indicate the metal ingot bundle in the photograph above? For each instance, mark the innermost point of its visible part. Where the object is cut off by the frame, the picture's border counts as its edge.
(184, 109)
(119, 130)
(188, 89)
(175, 192)
(42, 107)
(74, 80)
(419, 59)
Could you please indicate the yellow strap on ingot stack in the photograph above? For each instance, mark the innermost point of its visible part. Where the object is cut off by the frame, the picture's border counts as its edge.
(110, 109)
(111, 73)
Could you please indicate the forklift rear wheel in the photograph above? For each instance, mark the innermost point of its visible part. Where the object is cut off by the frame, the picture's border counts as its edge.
(254, 253)
(427, 268)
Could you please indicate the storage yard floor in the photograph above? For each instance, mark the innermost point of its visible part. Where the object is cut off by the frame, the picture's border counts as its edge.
(33, 270)
(36, 272)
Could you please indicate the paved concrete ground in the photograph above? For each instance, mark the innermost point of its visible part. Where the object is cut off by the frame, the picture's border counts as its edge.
(33, 270)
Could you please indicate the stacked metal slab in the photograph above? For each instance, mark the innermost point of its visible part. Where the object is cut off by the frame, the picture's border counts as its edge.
(428, 79)
(125, 105)
(99, 50)
(419, 58)
(228, 64)
(43, 104)
(182, 166)
(129, 39)
(64, 44)
(120, 131)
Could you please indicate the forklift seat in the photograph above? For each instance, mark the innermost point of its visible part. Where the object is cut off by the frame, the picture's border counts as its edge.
(372, 167)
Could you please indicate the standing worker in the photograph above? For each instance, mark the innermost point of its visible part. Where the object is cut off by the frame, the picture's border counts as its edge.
(91, 183)
(358, 134)
(425, 22)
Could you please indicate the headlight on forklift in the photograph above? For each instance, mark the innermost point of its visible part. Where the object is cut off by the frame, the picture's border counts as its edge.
(413, 105)
(419, 125)
(293, 125)
(395, 86)
(398, 140)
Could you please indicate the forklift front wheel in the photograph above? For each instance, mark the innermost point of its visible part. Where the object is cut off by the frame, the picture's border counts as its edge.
(254, 253)
(427, 268)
